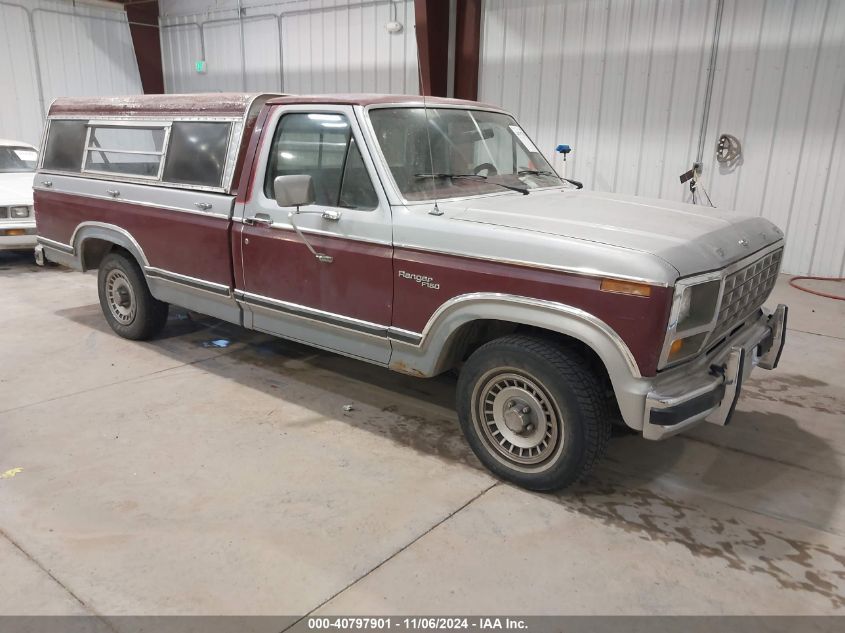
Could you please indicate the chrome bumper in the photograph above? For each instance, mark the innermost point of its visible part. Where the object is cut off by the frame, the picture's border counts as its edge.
(709, 388)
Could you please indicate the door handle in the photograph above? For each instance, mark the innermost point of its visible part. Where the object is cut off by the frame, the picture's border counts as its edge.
(114, 193)
(327, 214)
(259, 219)
(205, 206)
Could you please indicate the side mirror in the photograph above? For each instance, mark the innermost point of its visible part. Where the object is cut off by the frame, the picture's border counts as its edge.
(294, 191)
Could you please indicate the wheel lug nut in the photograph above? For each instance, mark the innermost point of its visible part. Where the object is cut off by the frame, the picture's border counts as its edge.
(526, 410)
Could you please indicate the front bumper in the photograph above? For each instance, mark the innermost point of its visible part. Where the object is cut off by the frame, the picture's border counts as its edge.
(709, 388)
(10, 241)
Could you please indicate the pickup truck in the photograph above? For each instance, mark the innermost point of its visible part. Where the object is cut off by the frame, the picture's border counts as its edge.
(424, 236)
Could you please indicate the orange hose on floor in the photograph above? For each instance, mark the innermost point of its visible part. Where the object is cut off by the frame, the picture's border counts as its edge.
(817, 292)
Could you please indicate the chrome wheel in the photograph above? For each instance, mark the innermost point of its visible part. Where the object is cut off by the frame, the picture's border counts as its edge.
(120, 297)
(517, 419)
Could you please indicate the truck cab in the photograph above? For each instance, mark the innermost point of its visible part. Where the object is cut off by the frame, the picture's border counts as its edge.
(423, 236)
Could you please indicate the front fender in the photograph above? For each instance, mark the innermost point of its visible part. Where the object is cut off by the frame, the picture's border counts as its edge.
(429, 355)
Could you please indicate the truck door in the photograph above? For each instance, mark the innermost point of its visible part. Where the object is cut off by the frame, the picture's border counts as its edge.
(341, 301)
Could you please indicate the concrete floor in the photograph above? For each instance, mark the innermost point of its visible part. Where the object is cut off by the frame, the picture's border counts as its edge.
(178, 477)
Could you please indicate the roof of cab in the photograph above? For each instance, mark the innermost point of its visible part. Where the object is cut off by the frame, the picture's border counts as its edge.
(223, 103)
(373, 99)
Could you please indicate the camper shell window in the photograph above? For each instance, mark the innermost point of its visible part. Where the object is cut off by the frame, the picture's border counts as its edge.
(177, 152)
(129, 151)
(197, 153)
(65, 145)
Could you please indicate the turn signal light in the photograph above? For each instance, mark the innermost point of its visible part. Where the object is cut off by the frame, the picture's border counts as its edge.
(626, 287)
(677, 345)
(686, 347)
(11, 232)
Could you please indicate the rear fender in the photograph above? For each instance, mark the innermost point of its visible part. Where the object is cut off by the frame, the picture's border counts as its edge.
(108, 233)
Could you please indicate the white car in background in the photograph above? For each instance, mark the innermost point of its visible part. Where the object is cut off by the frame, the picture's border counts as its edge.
(17, 220)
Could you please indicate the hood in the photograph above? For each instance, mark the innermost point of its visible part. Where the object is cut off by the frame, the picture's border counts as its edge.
(691, 238)
(16, 188)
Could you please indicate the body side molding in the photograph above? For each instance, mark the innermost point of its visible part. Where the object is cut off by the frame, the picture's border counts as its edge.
(200, 284)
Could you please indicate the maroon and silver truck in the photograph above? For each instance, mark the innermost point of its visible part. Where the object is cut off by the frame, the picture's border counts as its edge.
(423, 236)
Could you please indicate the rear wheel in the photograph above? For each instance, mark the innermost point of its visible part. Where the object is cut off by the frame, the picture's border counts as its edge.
(533, 413)
(130, 309)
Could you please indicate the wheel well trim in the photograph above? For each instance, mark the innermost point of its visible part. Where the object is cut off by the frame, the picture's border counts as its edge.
(522, 310)
(109, 233)
(431, 355)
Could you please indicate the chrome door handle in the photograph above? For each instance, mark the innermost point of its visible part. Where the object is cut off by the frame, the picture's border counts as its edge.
(259, 219)
(47, 183)
(114, 193)
(326, 214)
(205, 206)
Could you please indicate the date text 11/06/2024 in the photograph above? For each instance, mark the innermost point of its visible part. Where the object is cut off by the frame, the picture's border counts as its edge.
(418, 623)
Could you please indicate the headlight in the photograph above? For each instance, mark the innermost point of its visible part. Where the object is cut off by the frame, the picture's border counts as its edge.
(698, 304)
(19, 212)
(692, 318)
(685, 303)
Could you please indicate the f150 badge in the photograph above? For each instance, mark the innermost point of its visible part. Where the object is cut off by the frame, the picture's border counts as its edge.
(423, 280)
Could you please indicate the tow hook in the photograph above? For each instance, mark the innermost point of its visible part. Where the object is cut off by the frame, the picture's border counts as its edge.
(717, 370)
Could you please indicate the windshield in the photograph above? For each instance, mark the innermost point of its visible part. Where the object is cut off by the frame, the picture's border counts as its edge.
(17, 159)
(471, 152)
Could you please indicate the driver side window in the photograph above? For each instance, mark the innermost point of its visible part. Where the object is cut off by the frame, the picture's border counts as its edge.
(321, 145)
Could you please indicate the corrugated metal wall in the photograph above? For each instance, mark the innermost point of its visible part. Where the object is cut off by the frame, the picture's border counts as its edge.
(621, 81)
(310, 46)
(21, 105)
(624, 83)
(779, 88)
(79, 50)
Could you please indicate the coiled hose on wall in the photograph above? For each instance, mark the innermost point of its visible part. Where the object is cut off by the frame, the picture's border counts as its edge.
(817, 292)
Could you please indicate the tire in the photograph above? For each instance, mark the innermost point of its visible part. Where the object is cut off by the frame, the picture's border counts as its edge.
(509, 385)
(130, 309)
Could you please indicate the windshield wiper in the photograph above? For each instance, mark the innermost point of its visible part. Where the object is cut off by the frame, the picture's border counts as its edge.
(521, 190)
(538, 172)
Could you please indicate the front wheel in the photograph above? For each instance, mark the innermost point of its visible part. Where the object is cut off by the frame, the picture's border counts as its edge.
(534, 414)
(130, 309)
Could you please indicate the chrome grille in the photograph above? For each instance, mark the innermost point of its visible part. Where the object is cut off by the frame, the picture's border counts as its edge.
(746, 290)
